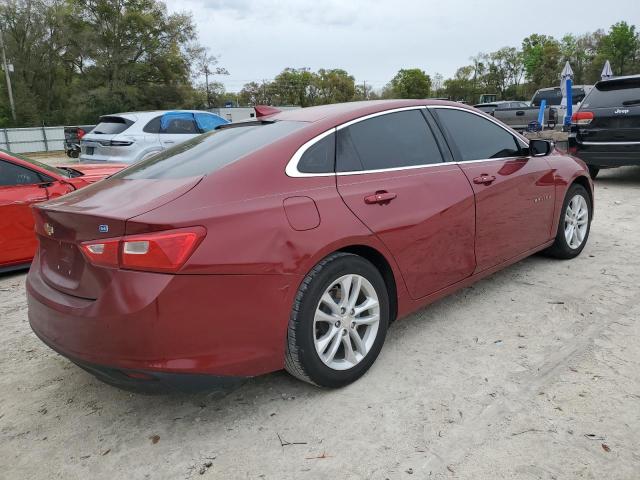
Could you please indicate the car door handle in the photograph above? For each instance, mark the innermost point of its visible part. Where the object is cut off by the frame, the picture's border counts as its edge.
(520, 113)
(484, 179)
(381, 197)
(168, 141)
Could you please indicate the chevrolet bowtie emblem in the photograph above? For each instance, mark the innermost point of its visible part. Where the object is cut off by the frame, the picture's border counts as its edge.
(48, 228)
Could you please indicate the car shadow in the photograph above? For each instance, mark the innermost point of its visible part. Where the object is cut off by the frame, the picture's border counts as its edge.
(622, 176)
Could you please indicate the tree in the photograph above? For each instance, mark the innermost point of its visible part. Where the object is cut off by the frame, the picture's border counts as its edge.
(333, 86)
(409, 83)
(541, 57)
(621, 46)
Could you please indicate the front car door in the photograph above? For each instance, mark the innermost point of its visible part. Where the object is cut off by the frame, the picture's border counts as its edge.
(515, 193)
(391, 175)
(20, 188)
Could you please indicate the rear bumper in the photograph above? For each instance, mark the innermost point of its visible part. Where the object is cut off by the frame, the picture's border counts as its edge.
(152, 382)
(605, 155)
(221, 325)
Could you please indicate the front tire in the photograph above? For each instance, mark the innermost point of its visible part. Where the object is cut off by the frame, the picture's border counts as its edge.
(338, 323)
(574, 224)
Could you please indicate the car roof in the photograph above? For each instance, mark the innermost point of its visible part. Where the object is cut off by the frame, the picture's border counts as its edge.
(343, 112)
(617, 79)
(151, 113)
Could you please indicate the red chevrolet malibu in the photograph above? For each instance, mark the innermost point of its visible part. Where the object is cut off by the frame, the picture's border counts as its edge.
(24, 182)
(293, 241)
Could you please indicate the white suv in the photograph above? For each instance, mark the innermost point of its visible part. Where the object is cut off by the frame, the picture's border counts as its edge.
(131, 137)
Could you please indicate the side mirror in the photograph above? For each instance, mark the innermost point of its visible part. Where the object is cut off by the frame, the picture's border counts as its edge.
(540, 148)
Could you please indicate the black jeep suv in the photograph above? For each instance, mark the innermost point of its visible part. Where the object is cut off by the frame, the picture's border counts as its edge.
(605, 130)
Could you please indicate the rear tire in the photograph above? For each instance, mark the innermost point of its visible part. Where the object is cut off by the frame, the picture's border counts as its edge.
(333, 339)
(574, 224)
(593, 171)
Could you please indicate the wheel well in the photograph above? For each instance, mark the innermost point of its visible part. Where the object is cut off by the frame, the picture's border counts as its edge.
(584, 181)
(380, 262)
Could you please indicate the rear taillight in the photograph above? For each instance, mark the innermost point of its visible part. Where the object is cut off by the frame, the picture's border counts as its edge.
(103, 253)
(582, 118)
(115, 143)
(165, 251)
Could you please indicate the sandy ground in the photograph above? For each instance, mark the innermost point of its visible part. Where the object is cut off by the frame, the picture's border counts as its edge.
(533, 373)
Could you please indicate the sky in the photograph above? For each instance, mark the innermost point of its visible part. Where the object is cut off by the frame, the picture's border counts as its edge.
(256, 39)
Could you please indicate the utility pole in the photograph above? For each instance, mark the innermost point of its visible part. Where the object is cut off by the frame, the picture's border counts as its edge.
(364, 89)
(6, 72)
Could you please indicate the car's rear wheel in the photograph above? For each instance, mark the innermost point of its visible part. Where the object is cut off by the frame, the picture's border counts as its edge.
(575, 224)
(338, 322)
(593, 171)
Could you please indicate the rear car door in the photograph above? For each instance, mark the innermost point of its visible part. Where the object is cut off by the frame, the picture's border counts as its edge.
(20, 188)
(391, 175)
(514, 193)
(177, 127)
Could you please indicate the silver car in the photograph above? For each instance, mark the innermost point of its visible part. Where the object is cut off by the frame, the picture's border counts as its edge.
(134, 136)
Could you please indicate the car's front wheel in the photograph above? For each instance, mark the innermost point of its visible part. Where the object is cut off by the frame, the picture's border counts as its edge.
(339, 321)
(575, 224)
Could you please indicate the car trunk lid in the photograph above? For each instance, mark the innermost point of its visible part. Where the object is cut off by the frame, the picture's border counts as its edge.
(98, 211)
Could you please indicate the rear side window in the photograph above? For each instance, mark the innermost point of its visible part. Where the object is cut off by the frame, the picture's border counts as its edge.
(475, 137)
(320, 157)
(12, 175)
(153, 126)
(624, 92)
(181, 125)
(112, 125)
(399, 139)
(211, 151)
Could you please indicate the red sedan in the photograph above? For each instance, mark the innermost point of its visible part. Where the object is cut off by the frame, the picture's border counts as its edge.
(293, 241)
(24, 182)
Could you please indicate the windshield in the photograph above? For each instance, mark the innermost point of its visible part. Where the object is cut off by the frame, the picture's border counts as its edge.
(211, 151)
(44, 166)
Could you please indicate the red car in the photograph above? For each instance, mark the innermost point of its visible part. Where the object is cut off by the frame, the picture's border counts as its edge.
(24, 182)
(293, 241)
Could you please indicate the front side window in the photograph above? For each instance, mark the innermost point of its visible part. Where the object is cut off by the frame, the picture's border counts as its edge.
(12, 175)
(398, 139)
(475, 137)
(207, 121)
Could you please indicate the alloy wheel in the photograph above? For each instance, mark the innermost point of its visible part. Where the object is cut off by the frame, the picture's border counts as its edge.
(576, 221)
(346, 322)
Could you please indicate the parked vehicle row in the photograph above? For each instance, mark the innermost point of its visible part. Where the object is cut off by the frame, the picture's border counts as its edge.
(293, 241)
(132, 137)
(519, 115)
(605, 129)
(25, 182)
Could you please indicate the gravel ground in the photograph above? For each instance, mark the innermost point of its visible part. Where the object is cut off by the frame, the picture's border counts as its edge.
(533, 373)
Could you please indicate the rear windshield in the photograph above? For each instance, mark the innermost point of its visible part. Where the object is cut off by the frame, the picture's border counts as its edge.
(624, 92)
(112, 125)
(211, 151)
